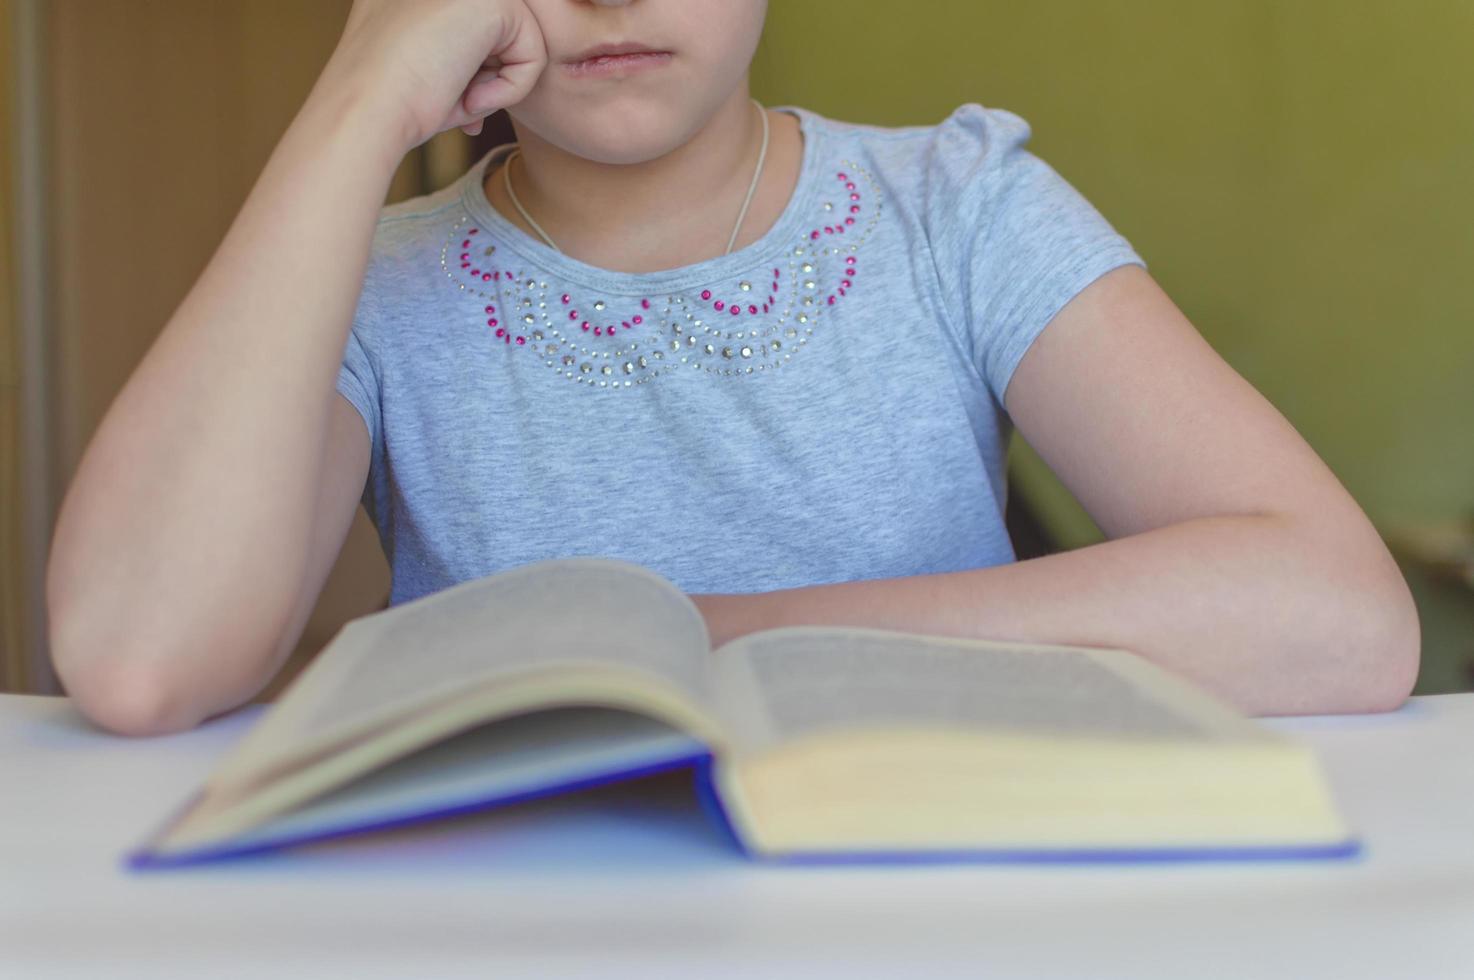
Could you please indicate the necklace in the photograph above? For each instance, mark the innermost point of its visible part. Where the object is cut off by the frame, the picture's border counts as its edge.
(761, 156)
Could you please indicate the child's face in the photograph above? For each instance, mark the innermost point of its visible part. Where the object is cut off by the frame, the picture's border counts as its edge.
(645, 114)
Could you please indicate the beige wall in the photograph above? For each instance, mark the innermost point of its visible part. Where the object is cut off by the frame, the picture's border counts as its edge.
(12, 673)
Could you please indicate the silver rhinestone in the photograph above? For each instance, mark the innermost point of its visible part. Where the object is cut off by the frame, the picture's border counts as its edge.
(541, 305)
(744, 285)
(606, 369)
(537, 335)
(585, 367)
(808, 267)
(727, 352)
(691, 342)
(808, 284)
(675, 345)
(802, 318)
(567, 358)
(709, 349)
(598, 304)
(530, 283)
(529, 318)
(790, 332)
(643, 362)
(629, 368)
(828, 206)
(543, 285)
(776, 344)
(551, 349)
(676, 328)
(660, 355)
(489, 249)
(747, 352)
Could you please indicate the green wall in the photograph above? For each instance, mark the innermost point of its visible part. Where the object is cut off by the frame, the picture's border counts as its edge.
(1299, 175)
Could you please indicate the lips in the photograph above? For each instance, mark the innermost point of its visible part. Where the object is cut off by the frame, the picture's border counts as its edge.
(614, 48)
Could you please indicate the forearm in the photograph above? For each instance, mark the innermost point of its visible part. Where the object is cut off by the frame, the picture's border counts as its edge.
(182, 534)
(1273, 619)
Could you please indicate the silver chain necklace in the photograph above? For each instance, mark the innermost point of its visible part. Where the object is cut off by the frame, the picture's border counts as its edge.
(761, 156)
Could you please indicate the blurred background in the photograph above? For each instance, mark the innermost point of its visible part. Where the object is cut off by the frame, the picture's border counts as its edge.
(1295, 174)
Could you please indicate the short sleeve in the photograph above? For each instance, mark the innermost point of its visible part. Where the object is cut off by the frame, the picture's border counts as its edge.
(1012, 239)
(359, 383)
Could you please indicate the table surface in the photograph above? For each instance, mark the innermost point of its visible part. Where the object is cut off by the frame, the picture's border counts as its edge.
(634, 880)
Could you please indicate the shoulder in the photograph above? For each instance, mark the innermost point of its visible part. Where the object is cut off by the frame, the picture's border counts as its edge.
(971, 142)
(408, 240)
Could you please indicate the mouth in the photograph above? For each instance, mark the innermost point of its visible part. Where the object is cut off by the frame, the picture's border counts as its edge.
(625, 58)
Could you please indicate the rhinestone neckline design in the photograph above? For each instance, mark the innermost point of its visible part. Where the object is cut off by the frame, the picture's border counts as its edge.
(585, 341)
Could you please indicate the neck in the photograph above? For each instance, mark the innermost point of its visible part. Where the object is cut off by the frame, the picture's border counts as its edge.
(676, 209)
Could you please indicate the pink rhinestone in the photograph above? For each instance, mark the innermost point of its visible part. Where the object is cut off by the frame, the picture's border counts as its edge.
(765, 307)
(775, 273)
(736, 309)
(831, 299)
(854, 209)
(475, 272)
(496, 274)
(841, 290)
(566, 297)
(507, 339)
(466, 243)
(775, 287)
(491, 322)
(849, 221)
(521, 340)
(850, 186)
(706, 294)
(500, 331)
(846, 282)
(637, 318)
(626, 324)
(586, 324)
(471, 232)
(573, 314)
(751, 309)
(645, 304)
(854, 197)
(842, 176)
(465, 256)
(828, 229)
(598, 330)
(719, 304)
(849, 260)
(814, 234)
(465, 265)
(491, 309)
(486, 277)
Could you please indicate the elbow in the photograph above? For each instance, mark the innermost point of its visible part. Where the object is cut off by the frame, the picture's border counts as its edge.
(1383, 651)
(1394, 657)
(122, 694)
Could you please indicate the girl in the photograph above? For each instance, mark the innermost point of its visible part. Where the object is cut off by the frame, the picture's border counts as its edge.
(773, 355)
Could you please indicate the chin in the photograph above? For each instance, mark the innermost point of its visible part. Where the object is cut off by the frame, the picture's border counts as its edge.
(607, 135)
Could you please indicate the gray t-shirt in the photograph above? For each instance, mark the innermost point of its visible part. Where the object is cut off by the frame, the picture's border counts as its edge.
(822, 405)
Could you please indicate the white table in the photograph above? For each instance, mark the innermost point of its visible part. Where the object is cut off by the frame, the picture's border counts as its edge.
(637, 883)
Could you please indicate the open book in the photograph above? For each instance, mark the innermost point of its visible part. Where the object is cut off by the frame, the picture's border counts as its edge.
(808, 742)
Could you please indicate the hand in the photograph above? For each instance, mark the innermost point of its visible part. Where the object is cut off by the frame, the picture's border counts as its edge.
(434, 64)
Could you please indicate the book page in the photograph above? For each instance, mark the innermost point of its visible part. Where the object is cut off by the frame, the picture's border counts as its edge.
(791, 682)
(558, 614)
